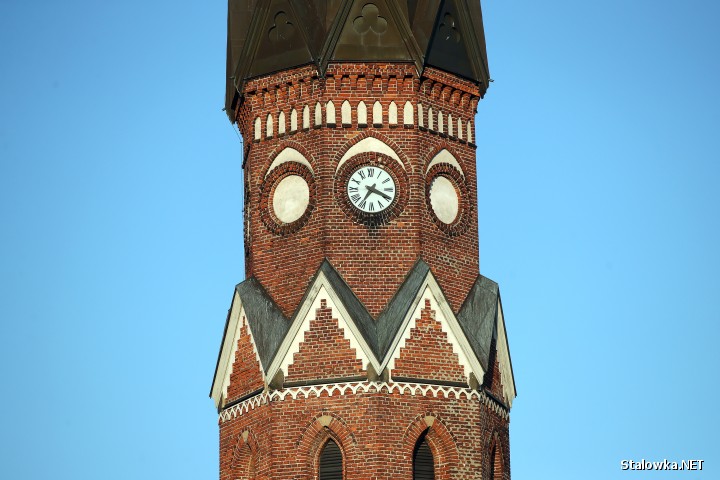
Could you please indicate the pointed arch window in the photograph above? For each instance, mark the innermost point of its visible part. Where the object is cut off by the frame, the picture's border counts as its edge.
(423, 462)
(331, 462)
(496, 467)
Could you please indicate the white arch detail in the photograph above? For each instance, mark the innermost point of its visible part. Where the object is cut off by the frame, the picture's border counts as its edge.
(443, 156)
(370, 144)
(289, 154)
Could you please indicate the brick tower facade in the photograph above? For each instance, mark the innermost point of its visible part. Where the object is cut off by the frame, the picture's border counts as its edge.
(364, 343)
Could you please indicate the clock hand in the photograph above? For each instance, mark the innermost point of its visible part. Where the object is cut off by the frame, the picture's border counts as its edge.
(374, 190)
(369, 189)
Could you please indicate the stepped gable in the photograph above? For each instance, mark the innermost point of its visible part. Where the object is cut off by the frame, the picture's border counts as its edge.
(478, 318)
(427, 349)
(246, 376)
(313, 361)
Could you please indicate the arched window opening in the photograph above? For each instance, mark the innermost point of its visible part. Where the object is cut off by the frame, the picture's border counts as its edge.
(423, 463)
(496, 467)
(331, 467)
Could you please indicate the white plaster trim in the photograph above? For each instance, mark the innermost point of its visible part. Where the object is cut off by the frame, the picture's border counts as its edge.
(353, 388)
(289, 154)
(444, 156)
(377, 113)
(345, 113)
(321, 289)
(370, 144)
(293, 120)
(408, 113)
(258, 128)
(269, 126)
(454, 335)
(318, 114)
(392, 114)
(281, 123)
(306, 117)
(330, 113)
(506, 375)
(362, 113)
(236, 321)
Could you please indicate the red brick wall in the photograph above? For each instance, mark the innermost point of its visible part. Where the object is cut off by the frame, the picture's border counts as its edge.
(285, 263)
(427, 354)
(324, 351)
(246, 376)
(375, 431)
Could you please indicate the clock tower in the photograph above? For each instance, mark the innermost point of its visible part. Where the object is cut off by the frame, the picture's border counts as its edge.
(363, 343)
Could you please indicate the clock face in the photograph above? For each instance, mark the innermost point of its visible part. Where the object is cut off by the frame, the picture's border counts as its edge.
(371, 189)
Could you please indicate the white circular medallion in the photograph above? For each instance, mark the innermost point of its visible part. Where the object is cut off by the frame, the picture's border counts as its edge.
(290, 198)
(444, 200)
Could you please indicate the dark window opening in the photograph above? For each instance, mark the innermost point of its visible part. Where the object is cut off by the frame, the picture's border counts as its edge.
(423, 463)
(331, 462)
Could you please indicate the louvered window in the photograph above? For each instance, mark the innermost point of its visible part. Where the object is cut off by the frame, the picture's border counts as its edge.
(331, 462)
(423, 465)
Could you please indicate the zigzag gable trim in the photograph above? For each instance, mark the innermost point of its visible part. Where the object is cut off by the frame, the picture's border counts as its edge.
(236, 320)
(503, 350)
(321, 289)
(376, 341)
(430, 290)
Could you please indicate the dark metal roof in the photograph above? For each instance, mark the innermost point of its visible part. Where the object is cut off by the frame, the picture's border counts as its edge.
(267, 323)
(266, 36)
(390, 319)
(477, 317)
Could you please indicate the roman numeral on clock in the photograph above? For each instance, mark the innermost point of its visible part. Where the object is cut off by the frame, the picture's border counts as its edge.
(355, 198)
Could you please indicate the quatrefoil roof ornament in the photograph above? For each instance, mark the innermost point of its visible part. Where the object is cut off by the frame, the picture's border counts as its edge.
(266, 36)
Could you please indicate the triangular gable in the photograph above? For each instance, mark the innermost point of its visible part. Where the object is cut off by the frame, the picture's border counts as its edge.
(267, 328)
(376, 342)
(454, 43)
(371, 31)
(275, 40)
(224, 368)
(342, 356)
(323, 288)
(478, 317)
(430, 290)
(504, 359)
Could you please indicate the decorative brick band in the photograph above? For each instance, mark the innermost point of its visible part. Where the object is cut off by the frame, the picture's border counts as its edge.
(363, 114)
(352, 388)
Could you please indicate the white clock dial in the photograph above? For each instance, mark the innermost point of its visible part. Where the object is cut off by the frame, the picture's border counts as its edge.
(371, 189)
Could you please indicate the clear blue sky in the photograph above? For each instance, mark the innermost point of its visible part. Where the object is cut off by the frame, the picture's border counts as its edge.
(120, 210)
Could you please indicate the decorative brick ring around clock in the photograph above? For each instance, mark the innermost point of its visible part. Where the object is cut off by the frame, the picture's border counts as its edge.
(450, 217)
(287, 198)
(387, 164)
